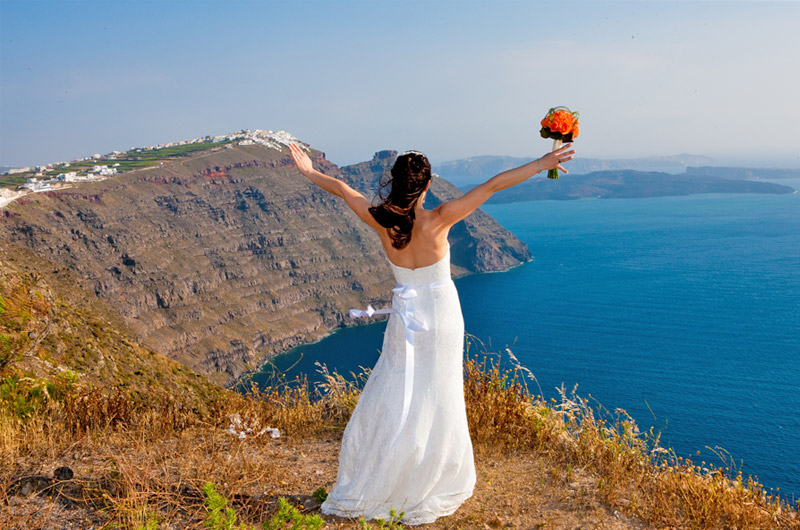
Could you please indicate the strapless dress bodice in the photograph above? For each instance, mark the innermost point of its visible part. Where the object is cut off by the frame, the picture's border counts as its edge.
(438, 272)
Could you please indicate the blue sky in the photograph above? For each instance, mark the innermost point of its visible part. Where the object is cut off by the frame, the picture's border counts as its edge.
(453, 79)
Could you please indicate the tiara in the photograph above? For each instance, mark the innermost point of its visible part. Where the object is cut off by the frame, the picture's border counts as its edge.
(410, 153)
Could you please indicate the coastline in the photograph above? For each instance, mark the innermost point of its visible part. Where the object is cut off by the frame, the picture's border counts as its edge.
(248, 375)
(237, 384)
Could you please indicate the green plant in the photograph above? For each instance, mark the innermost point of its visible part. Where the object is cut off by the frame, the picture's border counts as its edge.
(220, 515)
(289, 518)
(23, 396)
(8, 352)
(392, 524)
(320, 495)
(151, 522)
(223, 517)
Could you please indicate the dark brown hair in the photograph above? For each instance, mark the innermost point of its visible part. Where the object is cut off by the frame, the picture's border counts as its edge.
(409, 176)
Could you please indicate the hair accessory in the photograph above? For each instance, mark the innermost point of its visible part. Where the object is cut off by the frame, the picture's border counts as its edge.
(410, 153)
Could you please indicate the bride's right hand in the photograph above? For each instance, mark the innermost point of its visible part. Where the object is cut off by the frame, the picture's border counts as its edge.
(301, 159)
(554, 159)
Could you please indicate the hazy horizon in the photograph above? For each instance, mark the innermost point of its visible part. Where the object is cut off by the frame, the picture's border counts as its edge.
(454, 80)
(733, 161)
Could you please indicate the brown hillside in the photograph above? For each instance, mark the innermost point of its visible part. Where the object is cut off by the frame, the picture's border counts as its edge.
(227, 257)
(51, 328)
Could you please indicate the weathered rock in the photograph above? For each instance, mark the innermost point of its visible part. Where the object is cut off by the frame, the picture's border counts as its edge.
(225, 258)
(30, 484)
(41, 484)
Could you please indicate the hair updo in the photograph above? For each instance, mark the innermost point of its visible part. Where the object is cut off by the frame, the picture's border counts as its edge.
(410, 175)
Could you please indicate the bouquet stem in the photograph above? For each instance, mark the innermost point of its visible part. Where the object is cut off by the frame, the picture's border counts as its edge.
(553, 173)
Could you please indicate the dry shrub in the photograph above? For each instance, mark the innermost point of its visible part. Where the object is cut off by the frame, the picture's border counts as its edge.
(149, 456)
(339, 395)
(147, 461)
(289, 409)
(500, 411)
(166, 477)
(294, 408)
(90, 409)
(632, 471)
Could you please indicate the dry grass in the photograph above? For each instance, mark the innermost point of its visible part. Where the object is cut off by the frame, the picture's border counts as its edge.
(139, 464)
(143, 435)
(142, 462)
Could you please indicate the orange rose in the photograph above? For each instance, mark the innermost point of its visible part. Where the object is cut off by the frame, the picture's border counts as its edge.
(575, 130)
(562, 122)
(571, 118)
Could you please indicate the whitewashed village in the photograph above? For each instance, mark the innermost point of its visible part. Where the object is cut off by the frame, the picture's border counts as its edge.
(60, 175)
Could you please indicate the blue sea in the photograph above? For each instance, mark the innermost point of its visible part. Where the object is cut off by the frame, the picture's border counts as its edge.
(684, 311)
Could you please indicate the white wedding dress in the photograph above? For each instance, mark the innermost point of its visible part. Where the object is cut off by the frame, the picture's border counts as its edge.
(407, 445)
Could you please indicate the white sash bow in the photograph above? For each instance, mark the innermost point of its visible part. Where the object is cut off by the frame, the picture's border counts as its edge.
(412, 324)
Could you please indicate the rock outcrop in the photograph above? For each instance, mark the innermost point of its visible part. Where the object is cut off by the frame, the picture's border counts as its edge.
(227, 257)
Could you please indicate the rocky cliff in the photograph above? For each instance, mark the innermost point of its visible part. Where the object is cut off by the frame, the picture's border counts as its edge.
(228, 256)
(52, 330)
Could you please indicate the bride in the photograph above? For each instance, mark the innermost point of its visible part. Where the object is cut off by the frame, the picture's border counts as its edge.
(407, 447)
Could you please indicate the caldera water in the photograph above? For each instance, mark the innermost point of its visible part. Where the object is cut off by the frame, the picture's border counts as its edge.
(683, 311)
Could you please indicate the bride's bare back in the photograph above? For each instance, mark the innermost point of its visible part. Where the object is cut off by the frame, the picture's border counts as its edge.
(428, 243)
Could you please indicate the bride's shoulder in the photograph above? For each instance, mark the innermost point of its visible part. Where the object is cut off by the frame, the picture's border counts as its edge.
(430, 220)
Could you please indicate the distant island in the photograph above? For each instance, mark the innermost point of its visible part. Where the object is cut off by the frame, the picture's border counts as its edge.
(631, 184)
(474, 170)
(747, 173)
(623, 178)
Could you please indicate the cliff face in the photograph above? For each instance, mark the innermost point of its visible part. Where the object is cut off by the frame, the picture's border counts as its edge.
(227, 257)
(51, 327)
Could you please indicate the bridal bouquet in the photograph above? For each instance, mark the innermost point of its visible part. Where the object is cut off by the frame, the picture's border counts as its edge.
(560, 124)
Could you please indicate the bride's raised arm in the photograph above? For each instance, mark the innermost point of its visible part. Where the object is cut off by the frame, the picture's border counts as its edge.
(357, 202)
(455, 210)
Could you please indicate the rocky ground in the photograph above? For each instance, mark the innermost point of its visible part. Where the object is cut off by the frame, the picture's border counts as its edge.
(519, 490)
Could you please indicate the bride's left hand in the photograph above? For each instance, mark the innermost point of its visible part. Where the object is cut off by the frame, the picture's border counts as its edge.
(554, 159)
(301, 159)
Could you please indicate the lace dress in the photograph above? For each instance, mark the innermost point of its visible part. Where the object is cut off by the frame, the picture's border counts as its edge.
(407, 444)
